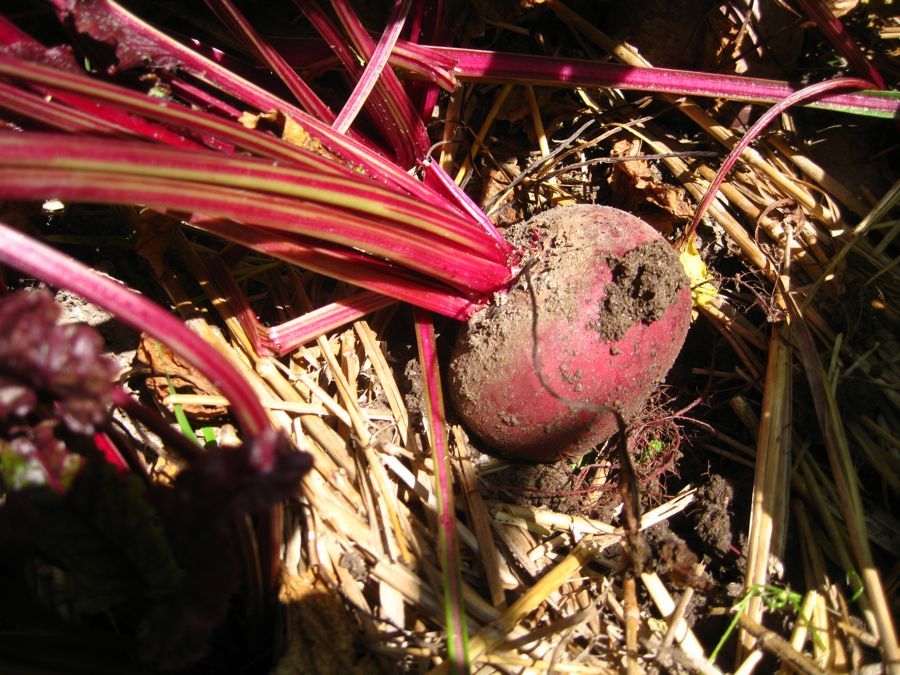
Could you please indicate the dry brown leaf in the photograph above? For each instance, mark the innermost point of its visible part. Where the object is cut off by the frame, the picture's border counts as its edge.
(494, 182)
(155, 232)
(637, 188)
(168, 368)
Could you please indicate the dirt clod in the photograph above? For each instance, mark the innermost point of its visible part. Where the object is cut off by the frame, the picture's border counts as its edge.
(645, 283)
(545, 486)
(713, 518)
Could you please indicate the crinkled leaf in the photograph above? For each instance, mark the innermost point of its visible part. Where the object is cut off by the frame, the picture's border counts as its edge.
(99, 20)
(16, 398)
(18, 43)
(61, 363)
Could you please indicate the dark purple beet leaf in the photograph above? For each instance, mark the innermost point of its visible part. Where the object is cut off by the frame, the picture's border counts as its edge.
(171, 554)
(42, 361)
(54, 382)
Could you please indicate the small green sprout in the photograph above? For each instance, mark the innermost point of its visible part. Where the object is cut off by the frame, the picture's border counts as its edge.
(653, 448)
(774, 598)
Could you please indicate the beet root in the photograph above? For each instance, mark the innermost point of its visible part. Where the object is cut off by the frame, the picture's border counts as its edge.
(613, 307)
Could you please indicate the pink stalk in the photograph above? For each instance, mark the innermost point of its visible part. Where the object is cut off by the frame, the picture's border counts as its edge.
(122, 123)
(811, 92)
(335, 208)
(104, 95)
(834, 30)
(218, 204)
(306, 328)
(59, 83)
(377, 104)
(475, 280)
(128, 123)
(448, 542)
(374, 68)
(80, 110)
(355, 268)
(399, 105)
(47, 264)
(426, 26)
(437, 178)
(424, 63)
(231, 17)
(486, 66)
(112, 454)
(240, 306)
(107, 21)
(282, 339)
(195, 96)
(216, 209)
(50, 113)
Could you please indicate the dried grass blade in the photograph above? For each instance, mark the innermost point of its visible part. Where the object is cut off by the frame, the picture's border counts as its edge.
(632, 623)
(732, 227)
(834, 187)
(780, 647)
(475, 147)
(286, 337)
(480, 520)
(389, 385)
(874, 216)
(666, 606)
(498, 630)
(846, 481)
(812, 92)
(769, 512)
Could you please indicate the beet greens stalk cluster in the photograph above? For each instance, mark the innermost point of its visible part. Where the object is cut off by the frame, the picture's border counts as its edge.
(106, 108)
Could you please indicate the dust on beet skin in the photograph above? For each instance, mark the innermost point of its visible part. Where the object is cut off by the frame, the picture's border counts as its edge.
(559, 238)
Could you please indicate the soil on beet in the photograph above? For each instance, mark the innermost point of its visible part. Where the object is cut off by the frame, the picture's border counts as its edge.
(645, 280)
(645, 283)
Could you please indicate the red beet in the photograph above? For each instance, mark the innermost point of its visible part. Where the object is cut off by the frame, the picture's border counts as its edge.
(613, 308)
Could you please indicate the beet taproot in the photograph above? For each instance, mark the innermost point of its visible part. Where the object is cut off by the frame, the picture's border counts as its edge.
(613, 307)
